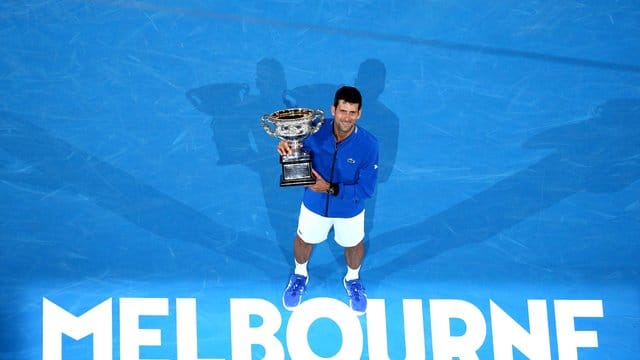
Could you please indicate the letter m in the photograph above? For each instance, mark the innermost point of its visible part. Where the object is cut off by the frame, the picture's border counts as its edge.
(57, 321)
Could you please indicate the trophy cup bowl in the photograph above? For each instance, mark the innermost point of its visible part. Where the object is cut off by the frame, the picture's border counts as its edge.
(294, 125)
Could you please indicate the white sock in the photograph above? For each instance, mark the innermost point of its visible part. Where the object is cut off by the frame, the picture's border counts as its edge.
(352, 274)
(301, 269)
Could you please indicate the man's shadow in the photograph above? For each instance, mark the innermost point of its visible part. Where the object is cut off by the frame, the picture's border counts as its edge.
(599, 155)
(240, 140)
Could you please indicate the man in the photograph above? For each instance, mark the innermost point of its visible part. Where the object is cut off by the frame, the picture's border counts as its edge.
(345, 163)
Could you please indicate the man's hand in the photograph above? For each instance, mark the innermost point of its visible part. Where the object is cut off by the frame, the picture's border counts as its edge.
(284, 148)
(321, 184)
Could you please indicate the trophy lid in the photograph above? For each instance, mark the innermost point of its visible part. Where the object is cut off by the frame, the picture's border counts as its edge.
(293, 124)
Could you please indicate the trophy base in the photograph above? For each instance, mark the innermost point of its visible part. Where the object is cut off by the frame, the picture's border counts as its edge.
(296, 172)
(296, 182)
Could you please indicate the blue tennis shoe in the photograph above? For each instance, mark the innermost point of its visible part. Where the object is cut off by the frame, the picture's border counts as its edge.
(292, 296)
(357, 296)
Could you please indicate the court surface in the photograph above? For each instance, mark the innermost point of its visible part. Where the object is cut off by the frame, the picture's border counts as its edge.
(140, 200)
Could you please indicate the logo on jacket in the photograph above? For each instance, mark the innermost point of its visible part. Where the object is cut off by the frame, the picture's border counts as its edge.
(351, 161)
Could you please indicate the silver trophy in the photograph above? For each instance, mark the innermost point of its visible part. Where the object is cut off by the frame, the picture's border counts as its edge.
(294, 125)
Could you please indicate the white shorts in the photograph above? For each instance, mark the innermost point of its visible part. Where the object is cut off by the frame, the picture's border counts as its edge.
(314, 228)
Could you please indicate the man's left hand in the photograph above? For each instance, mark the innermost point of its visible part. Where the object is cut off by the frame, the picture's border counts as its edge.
(321, 184)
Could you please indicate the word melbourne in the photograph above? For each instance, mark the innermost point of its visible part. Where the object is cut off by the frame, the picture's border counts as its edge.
(533, 340)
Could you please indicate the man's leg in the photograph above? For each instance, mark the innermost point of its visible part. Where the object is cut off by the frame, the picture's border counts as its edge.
(301, 253)
(354, 255)
(315, 227)
(352, 282)
(297, 285)
(350, 235)
(301, 250)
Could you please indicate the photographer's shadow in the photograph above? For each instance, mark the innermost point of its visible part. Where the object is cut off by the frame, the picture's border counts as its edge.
(54, 164)
(599, 155)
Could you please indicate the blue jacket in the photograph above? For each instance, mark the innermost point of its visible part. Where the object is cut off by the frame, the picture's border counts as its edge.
(351, 163)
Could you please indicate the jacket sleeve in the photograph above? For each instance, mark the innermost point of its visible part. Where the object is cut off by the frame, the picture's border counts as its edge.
(365, 184)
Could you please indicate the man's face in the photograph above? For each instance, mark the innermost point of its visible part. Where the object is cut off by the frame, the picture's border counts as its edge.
(345, 115)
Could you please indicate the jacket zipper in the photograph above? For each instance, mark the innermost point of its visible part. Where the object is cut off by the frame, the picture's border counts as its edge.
(333, 164)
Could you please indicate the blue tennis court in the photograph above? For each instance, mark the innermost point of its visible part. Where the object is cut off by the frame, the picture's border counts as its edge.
(141, 215)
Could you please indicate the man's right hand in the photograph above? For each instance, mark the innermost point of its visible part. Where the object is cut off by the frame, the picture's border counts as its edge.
(284, 148)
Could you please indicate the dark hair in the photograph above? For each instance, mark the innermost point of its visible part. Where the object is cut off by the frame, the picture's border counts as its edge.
(348, 94)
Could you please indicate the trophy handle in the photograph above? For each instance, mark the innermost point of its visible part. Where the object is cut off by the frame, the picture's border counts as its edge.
(264, 120)
(318, 114)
